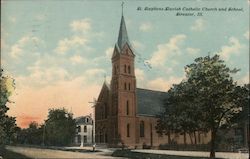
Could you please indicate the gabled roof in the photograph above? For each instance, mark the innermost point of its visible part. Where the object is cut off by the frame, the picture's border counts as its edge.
(105, 87)
(82, 120)
(149, 102)
(123, 35)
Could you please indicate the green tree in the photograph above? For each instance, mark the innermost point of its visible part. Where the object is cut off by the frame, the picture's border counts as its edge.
(217, 95)
(207, 100)
(8, 126)
(31, 135)
(60, 127)
(179, 116)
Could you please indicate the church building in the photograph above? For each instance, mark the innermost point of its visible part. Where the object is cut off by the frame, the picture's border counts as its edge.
(125, 114)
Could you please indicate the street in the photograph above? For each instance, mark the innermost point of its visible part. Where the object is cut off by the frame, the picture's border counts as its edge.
(48, 153)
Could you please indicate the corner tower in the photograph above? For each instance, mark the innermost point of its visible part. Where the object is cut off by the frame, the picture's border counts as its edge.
(123, 87)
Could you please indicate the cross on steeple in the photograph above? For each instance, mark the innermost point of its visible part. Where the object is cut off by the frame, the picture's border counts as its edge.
(122, 7)
(123, 35)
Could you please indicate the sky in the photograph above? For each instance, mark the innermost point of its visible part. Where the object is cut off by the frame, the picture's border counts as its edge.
(59, 52)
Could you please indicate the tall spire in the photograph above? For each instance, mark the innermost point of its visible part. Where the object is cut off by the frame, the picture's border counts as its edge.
(123, 35)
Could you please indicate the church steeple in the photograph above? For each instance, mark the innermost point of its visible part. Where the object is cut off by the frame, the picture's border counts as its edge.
(123, 35)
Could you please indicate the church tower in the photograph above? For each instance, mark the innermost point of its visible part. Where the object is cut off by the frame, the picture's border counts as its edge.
(123, 90)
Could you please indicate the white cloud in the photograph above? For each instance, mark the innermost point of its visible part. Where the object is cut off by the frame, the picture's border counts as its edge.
(192, 51)
(95, 72)
(137, 45)
(109, 52)
(69, 43)
(199, 25)
(42, 76)
(140, 76)
(246, 35)
(163, 52)
(82, 25)
(24, 44)
(77, 59)
(233, 48)
(16, 51)
(162, 84)
(145, 27)
(82, 34)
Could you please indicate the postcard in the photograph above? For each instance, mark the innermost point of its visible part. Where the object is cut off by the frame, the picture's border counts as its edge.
(88, 76)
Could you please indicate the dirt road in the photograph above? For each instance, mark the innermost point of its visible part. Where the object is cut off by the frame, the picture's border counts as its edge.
(48, 153)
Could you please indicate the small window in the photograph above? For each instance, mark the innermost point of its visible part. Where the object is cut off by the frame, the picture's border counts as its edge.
(78, 128)
(87, 120)
(85, 128)
(128, 131)
(129, 69)
(127, 107)
(125, 69)
(129, 86)
(125, 86)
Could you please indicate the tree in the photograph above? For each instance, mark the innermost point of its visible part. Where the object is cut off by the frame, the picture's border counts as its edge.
(207, 100)
(218, 96)
(179, 116)
(60, 127)
(31, 135)
(7, 124)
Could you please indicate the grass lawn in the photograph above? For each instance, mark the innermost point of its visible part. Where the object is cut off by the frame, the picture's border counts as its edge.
(139, 155)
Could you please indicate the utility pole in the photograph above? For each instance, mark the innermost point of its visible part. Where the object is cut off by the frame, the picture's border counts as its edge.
(94, 102)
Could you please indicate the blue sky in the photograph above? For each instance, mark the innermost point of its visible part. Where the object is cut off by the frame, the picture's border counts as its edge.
(59, 51)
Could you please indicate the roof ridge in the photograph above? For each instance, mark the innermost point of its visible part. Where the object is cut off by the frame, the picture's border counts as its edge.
(152, 90)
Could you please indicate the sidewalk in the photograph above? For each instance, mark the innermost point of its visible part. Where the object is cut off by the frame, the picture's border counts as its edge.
(227, 155)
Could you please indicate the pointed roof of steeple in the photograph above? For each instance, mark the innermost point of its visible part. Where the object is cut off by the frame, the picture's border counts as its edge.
(123, 35)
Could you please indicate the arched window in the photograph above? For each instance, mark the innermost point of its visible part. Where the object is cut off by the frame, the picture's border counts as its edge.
(142, 129)
(128, 86)
(125, 86)
(125, 69)
(128, 127)
(127, 107)
(85, 128)
(129, 69)
(78, 128)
